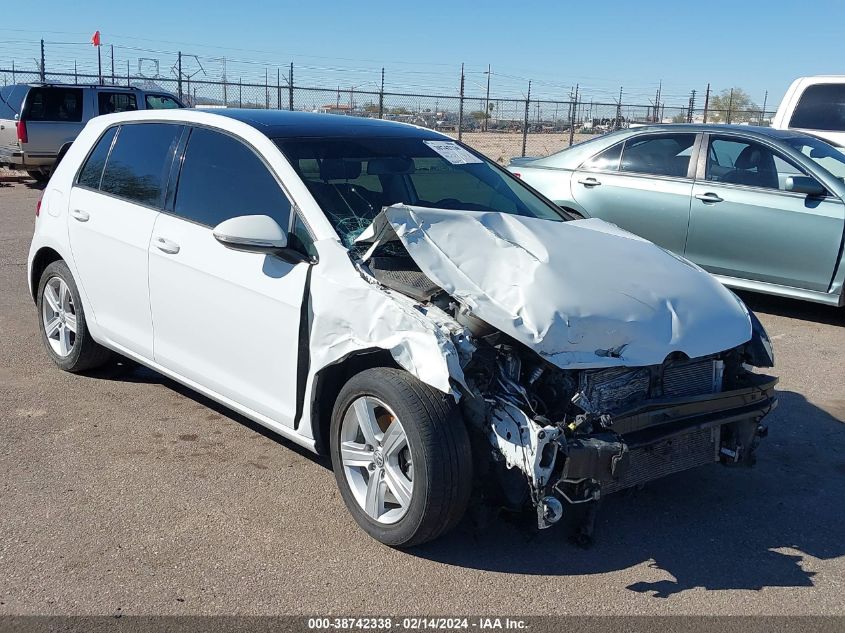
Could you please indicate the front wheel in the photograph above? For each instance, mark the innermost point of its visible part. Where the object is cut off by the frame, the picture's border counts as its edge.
(64, 330)
(401, 457)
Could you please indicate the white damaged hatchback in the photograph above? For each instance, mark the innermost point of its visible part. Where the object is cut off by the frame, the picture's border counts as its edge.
(380, 293)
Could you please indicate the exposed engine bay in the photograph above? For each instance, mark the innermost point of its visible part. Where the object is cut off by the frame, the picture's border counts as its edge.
(577, 434)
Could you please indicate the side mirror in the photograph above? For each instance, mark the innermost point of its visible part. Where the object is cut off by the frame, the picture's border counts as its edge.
(804, 184)
(252, 233)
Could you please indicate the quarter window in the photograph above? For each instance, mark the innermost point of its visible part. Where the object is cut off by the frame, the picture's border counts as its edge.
(608, 160)
(222, 178)
(742, 162)
(139, 162)
(660, 155)
(111, 102)
(54, 104)
(92, 171)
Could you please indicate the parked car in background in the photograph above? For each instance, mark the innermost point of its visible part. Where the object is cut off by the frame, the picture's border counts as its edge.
(379, 292)
(815, 105)
(761, 209)
(38, 122)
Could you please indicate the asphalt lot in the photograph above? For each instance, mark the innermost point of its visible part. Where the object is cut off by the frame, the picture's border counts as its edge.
(122, 492)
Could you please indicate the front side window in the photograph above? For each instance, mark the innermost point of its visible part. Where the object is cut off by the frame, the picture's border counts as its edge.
(608, 160)
(92, 170)
(222, 178)
(821, 107)
(139, 163)
(54, 104)
(352, 179)
(161, 102)
(659, 154)
(822, 154)
(744, 162)
(111, 102)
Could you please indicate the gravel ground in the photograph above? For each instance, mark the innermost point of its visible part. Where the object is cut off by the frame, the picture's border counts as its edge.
(123, 493)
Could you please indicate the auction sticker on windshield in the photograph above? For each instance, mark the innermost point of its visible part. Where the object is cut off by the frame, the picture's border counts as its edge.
(452, 152)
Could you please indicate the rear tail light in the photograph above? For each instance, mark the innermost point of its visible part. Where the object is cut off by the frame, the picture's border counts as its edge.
(22, 135)
(38, 206)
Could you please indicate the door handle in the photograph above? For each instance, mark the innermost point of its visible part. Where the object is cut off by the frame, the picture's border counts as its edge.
(589, 182)
(708, 197)
(79, 214)
(166, 246)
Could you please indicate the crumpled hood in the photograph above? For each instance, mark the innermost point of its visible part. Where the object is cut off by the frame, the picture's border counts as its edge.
(583, 293)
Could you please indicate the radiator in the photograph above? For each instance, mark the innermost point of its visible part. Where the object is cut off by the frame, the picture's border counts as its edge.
(693, 378)
(669, 456)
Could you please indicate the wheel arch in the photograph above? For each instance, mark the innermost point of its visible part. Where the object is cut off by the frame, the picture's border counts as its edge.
(330, 380)
(45, 256)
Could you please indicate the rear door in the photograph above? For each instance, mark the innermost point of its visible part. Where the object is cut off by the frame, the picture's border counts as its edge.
(53, 116)
(113, 206)
(745, 224)
(225, 319)
(643, 185)
(11, 103)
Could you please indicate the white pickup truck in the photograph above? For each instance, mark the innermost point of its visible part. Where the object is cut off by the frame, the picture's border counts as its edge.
(815, 105)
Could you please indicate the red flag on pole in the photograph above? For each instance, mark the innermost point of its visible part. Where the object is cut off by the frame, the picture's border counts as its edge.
(95, 39)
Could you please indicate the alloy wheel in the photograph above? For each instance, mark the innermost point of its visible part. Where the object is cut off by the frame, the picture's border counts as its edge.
(58, 315)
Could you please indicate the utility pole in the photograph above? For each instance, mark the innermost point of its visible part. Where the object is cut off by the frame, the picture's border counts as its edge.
(487, 99)
(278, 88)
(76, 77)
(525, 123)
(730, 105)
(43, 71)
(381, 96)
(572, 118)
(128, 80)
(290, 88)
(763, 111)
(618, 123)
(706, 102)
(240, 92)
(461, 107)
(179, 73)
(112, 63)
(691, 106)
(266, 91)
(99, 64)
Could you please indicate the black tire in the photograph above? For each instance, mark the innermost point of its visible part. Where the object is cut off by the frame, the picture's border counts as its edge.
(85, 352)
(38, 176)
(440, 450)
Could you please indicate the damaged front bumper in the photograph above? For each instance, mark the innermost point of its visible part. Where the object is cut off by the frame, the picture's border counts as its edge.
(658, 438)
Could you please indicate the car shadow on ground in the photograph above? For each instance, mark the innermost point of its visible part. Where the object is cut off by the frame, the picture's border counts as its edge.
(793, 308)
(712, 527)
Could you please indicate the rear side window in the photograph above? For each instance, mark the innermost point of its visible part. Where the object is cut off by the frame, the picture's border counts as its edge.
(222, 178)
(110, 102)
(161, 102)
(139, 162)
(54, 104)
(821, 107)
(661, 154)
(92, 170)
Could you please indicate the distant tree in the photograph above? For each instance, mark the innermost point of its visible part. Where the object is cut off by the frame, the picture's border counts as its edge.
(371, 107)
(734, 102)
(479, 115)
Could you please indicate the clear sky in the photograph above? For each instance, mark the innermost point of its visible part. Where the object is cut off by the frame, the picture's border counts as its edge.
(759, 46)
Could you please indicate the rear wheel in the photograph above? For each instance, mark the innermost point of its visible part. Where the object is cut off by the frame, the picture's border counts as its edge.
(64, 330)
(401, 457)
(38, 176)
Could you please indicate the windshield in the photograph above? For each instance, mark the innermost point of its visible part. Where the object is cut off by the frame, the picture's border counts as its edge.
(826, 156)
(352, 179)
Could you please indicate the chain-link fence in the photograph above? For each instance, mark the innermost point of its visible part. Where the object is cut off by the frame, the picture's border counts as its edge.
(500, 127)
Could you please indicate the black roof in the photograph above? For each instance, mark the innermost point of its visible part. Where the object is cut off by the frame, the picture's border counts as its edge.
(286, 124)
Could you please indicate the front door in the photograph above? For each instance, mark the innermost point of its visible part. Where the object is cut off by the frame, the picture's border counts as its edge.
(642, 185)
(225, 319)
(745, 224)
